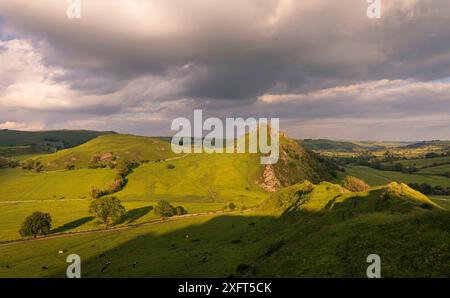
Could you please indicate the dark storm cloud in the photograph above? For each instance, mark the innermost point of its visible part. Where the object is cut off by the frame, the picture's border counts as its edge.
(223, 56)
(244, 50)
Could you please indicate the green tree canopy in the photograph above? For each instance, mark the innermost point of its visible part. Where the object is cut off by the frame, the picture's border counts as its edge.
(38, 223)
(107, 209)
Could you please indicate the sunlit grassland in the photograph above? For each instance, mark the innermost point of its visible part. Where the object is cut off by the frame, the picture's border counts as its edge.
(425, 161)
(73, 215)
(19, 185)
(198, 178)
(437, 170)
(124, 147)
(377, 177)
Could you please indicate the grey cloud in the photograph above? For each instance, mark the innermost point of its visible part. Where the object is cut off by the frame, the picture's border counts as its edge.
(222, 56)
(242, 55)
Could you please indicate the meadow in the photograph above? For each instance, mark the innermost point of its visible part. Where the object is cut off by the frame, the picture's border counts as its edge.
(312, 240)
(378, 177)
(198, 182)
(20, 185)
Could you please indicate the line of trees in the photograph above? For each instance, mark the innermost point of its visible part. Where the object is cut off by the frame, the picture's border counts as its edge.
(119, 181)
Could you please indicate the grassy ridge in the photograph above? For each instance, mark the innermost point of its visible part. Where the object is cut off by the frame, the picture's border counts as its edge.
(121, 147)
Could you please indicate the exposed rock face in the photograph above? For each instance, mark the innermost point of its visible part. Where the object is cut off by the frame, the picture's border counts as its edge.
(269, 181)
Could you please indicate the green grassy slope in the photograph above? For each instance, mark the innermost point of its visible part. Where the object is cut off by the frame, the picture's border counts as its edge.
(120, 147)
(378, 177)
(20, 185)
(199, 182)
(198, 178)
(329, 233)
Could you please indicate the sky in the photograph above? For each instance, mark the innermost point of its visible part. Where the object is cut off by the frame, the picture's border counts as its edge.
(323, 67)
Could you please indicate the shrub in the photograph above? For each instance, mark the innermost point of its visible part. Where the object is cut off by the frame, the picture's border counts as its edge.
(117, 185)
(231, 206)
(97, 193)
(170, 167)
(31, 164)
(355, 184)
(70, 167)
(165, 209)
(4, 162)
(38, 223)
(179, 210)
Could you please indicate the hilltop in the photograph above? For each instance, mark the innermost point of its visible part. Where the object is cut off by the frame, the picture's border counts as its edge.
(329, 197)
(108, 148)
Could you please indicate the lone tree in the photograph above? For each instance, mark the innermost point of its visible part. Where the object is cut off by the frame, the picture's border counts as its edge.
(107, 209)
(355, 184)
(38, 223)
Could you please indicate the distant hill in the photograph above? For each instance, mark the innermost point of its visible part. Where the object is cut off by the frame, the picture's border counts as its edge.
(323, 144)
(444, 145)
(67, 138)
(350, 146)
(108, 148)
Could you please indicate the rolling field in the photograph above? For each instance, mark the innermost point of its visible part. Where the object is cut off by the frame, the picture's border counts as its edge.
(377, 177)
(419, 163)
(438, 170)
(19, 185)
(198, 182)
(298, 243)
(198, 178)
(72, 215)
